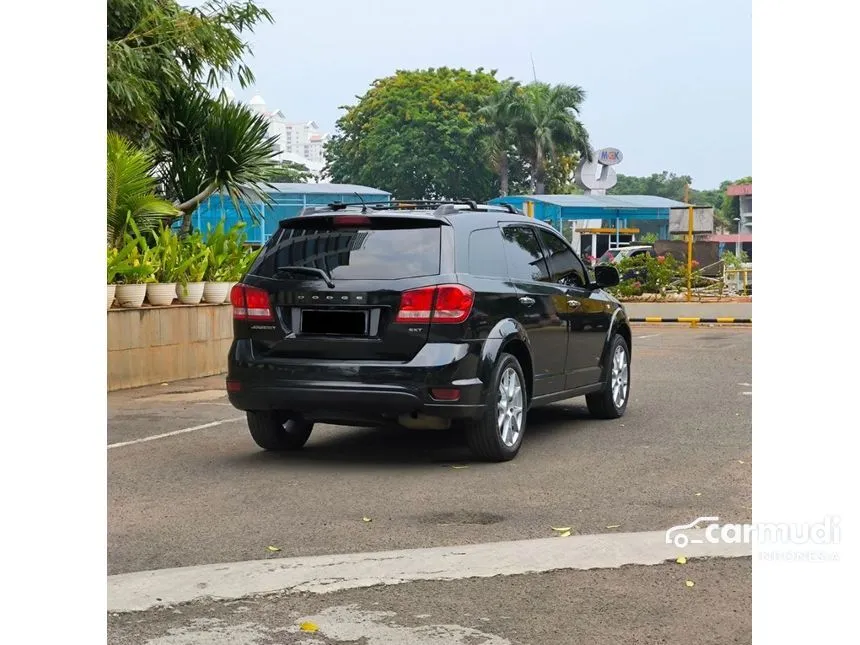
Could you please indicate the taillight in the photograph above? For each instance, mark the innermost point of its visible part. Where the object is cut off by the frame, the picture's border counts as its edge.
(453, 304)
(351, 220)
(416, 305)
(250, 303)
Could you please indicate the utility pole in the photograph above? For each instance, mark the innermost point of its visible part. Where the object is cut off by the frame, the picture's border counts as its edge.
(689, 244)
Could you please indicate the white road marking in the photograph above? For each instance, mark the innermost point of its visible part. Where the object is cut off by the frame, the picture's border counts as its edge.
(174, 433)
(747, 393)
(323, 574)
(648, 336)
(746, 384)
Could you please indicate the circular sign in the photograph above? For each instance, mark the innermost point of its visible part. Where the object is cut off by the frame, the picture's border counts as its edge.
(608, 156)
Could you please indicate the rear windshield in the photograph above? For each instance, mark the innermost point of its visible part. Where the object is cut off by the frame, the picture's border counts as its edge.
(357, 253)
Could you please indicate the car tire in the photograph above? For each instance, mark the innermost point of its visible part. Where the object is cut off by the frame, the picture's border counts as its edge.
(492, 437)
(606, 403)
(276, 431)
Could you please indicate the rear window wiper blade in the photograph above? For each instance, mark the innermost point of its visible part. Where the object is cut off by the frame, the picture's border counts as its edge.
(309, 270)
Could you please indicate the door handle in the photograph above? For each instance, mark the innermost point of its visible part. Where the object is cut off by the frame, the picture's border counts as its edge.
(573, 303)
(527, 301)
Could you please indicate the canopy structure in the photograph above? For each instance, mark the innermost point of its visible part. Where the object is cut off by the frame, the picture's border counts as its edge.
(626, 215)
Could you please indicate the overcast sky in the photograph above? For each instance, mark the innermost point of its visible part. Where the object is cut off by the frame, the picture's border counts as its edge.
(668, 82)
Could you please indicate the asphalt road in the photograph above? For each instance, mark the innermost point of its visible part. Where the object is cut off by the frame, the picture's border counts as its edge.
(683, 450)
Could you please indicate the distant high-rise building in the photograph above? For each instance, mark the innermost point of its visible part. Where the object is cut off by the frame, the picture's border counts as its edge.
(298, 141)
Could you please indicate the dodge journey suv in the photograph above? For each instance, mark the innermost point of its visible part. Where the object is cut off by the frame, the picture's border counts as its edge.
(425, 315)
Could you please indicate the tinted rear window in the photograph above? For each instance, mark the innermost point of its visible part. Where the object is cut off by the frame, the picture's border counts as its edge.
(357, 254)
(486, 253)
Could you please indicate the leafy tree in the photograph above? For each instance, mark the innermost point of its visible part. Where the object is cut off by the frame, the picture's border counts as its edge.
(665, 184)
(418, 134)
(547, 126)
(559, 175)
(153, 45)
(131, 191)
(208, 145)
(289, 172)
(501, 139)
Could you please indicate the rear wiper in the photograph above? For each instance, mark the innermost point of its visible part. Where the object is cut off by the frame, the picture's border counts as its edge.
(311, 270)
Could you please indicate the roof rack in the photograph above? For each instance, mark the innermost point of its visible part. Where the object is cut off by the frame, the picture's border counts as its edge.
(439, 206)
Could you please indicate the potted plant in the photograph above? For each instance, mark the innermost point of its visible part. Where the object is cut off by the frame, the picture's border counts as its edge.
(195, 260)
(167, 257)
(218, 267)
(112, 264)
(133, 273)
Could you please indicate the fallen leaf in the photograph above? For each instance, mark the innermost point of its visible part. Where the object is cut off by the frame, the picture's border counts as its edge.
(561, 530)
(698, 494)
(681, 560)
(740, 461)
(614, 526)
(366, 519)
(689, 583)
(309, 627)
(565, 534)
(273, 548)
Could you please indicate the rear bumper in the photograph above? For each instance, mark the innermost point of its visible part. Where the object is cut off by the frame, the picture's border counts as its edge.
(356, 391)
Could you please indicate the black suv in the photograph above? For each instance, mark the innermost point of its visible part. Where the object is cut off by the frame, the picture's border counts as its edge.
(422, 314)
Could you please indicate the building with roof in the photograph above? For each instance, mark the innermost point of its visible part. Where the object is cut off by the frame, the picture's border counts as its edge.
(600, 222)
(298, 141)
(287, 201)
(739, 239)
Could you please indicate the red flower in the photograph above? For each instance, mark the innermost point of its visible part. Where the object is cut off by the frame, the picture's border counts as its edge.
(661, 259)
(694, 263)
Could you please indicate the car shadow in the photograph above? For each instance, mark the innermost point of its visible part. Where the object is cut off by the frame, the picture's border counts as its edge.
(396, 446)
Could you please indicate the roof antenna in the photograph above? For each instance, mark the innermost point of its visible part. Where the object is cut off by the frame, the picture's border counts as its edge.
(534, 73)
(363, 205)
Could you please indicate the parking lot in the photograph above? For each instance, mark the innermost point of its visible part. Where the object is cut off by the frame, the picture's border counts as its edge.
(204, 493)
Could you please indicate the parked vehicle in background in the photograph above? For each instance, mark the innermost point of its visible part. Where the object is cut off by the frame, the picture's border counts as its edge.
(613, 256)
(424, 315)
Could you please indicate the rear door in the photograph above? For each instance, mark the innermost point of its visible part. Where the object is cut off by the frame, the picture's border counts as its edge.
(335, 283)
(542, 307)
(587, 317)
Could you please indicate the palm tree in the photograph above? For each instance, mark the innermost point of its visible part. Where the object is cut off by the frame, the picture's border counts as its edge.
(209, 145)
(499, 126)
(547, 124)
(131, 191)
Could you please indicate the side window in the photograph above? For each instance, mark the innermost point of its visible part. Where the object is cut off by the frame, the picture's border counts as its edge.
(523, 254)
(565, 267)
(487, 253)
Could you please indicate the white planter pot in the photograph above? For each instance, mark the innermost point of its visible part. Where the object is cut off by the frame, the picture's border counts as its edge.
(191, 293)
(216, 292)
(130, 295)
(230, 286)
(161, 294)
(111, 294)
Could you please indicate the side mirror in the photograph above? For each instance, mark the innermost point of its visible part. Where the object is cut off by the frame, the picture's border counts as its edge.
(606, 275)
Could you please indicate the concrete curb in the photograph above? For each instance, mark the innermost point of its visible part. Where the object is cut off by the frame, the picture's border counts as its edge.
(324, 574)
(653, 319)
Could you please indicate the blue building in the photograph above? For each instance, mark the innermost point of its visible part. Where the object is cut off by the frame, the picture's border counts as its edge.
(287, 201)
(602, 221)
